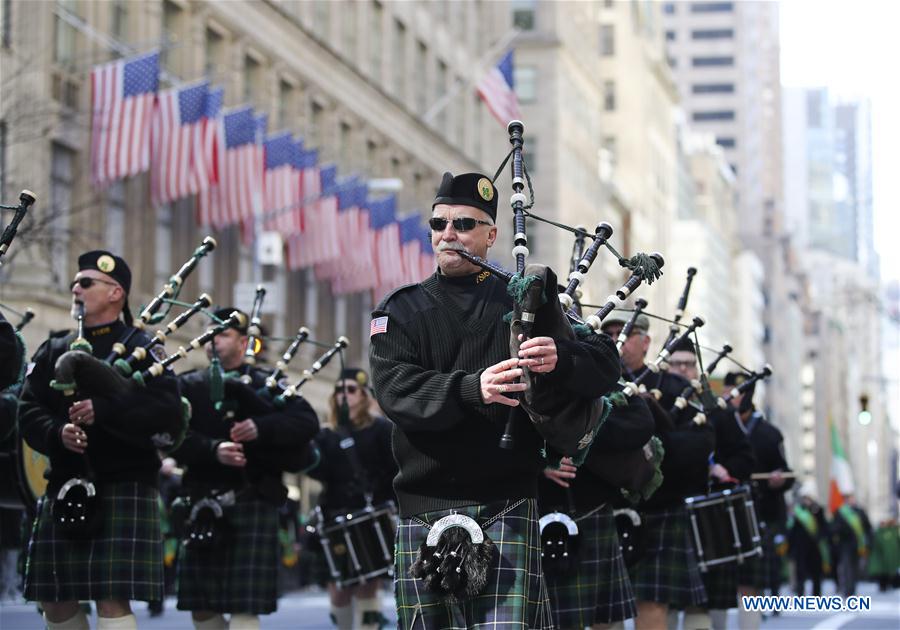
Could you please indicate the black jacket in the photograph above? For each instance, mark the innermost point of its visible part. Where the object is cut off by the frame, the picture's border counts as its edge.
(120, 442)
(426, 369)
(768, 449)
(284, 433)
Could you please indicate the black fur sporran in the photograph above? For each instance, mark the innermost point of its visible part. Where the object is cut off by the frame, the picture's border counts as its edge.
(456, 568)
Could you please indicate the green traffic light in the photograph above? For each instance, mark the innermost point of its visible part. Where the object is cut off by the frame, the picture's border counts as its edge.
(865, 417)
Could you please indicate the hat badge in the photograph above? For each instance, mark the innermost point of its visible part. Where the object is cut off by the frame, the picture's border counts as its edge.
(485, 189)
(106, 263)
(361, 378)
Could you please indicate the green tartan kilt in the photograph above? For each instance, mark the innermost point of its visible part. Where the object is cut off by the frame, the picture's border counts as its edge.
(599, 591)
(241, 575)
(123, 561)
(760, 571)
(515, 595)
(668, 572)
(721, 584)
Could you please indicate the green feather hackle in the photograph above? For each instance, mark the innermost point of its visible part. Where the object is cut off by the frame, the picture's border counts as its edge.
(644, 265)
(518, 286)
(582, 331)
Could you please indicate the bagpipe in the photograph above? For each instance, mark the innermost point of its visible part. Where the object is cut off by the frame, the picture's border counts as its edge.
(453, 562)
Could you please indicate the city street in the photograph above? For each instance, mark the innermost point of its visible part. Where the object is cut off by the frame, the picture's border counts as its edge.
(309, 609)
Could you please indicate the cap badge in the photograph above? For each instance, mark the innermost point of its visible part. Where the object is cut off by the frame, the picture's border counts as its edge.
(106, 263)
(485, 189)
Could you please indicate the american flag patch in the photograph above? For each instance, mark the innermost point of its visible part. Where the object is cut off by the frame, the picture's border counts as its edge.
(378, 325)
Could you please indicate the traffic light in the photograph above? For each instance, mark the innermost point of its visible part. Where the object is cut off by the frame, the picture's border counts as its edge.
(865, 416)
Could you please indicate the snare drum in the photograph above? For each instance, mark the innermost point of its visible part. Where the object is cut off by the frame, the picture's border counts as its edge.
(724, 527)
(359, 547)
(23, 481)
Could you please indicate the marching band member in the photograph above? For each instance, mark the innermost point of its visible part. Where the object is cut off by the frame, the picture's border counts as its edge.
(355, 473)
(105, 443)
(237, 447)
(668, 574)
(442, 373)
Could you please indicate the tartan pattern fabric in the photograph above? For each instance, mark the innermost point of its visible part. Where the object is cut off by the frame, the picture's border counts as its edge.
(760, 571)
(668, 572)
(241, 576)
(720, 583)
(124, 561)
(515, 595)
(600, 590)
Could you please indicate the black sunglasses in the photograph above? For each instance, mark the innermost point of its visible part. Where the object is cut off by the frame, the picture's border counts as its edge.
(87, 283)
(350, 389)
(460, 224)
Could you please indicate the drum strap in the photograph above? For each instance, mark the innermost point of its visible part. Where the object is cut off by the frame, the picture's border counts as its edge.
(361, 480)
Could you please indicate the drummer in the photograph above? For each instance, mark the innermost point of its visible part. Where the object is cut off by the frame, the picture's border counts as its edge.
(357, 469)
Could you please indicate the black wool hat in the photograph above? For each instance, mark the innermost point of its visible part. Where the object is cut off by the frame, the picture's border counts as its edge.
(110, 264)
(113, 266)
(733, 379)
(685, 345)
(224, 313)
(469, 189)
(355, 374)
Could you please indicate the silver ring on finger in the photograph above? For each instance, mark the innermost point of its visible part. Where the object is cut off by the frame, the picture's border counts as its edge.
(501, 389)
(542, 360)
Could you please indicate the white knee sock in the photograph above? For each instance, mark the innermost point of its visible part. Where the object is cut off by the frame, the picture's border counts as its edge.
(213, 623)
(696, 621)
(749, 619)
(78, 621)
(128, 622)
(367, 614)
(672, 619)
(718, 617)
(244, 622)
(342, 616)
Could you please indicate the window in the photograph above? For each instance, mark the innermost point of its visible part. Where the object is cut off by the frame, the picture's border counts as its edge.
(609, 96)
(398, 63)
(727, 143)
(670, 36)
(420, 73)
(64, 35)
(713, 88)
(705, 62)
(375, 39)
(716, 115)
(608, 158)
(672, 61)
(348, 19)
(525, 80)
(669, 8)
(371, 156)
(712, 7)
(115, 214)
(530, 154)
(287, 105)
(476, 128)
(252, 77)
(119, 20)
(345, 145)
(607, 40)
(62, 179)
(713, 33)
(734, 168)
(523, 14)
(214, 54)
(171, 40)
(322, 19)
(162, 248)
(440, 89)
(316, 130)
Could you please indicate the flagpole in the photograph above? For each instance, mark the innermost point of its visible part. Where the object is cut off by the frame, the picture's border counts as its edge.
(485, 62)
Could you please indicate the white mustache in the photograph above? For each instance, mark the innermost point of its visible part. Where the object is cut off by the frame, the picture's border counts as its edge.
(453, 245)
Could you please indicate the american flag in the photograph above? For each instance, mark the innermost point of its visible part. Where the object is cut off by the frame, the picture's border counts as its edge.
(298, 251)
(356, 273)
(122, 96)
(209, 141)
(427, 258)
(240, 166)
(319, 241)
(497, 89)
(181, 165)
(411, 231)
(282, 183)
(386, 233)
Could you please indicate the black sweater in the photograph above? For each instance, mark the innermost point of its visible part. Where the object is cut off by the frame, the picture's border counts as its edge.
(343, 490)
(426, 371)
(768, 449)
(283, 433)
(120, 447)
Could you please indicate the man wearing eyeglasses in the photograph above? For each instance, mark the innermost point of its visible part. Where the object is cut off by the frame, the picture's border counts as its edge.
(111, 440)
(442, 373)
(238, 445)
(667, 576)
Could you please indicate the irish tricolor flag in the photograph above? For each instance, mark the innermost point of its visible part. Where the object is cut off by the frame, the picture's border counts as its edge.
(841, 475)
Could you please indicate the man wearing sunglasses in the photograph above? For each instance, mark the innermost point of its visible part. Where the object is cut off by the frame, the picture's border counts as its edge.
(442, 373)
(111, 440)
(236, 450)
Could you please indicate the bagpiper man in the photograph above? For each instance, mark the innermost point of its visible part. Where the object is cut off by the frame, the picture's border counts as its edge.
(105, 546)
(442, 372)
(357, 469)
(587, 580)
(667, 575)
(237, 447)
